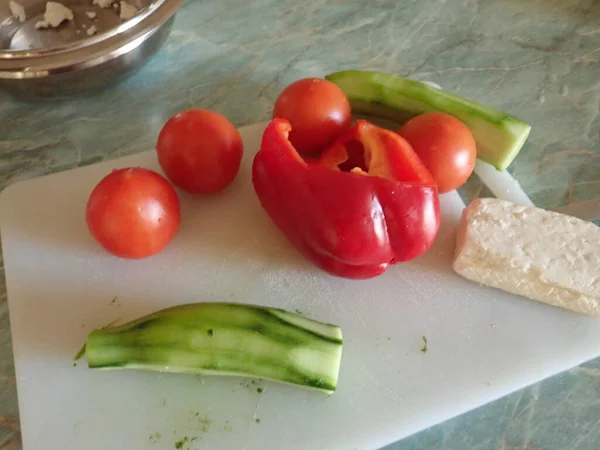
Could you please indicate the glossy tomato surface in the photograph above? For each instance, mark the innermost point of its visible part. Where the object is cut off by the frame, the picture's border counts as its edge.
(200, 151)
(445, 145)
(317, 110)
(133, 213)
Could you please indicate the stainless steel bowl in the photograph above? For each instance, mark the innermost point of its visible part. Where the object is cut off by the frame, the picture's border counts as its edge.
(69, 59)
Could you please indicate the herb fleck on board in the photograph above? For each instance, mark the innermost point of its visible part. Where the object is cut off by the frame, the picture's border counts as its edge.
(424, 349)
(253, 385)
(186, 440)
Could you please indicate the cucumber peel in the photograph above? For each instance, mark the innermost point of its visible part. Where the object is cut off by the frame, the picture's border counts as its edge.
(224, 339)
(499, 136)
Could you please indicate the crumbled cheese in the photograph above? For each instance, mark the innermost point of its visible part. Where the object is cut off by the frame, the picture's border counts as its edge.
(103, 3)
(127, 11)
(91, 14)
(17, 11)
(92, 30)
(56, 13)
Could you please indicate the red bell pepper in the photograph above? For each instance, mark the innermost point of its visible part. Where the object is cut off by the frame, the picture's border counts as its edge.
(368, 202)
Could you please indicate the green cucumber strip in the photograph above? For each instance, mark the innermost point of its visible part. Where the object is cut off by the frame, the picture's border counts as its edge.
(224, 339)
(499, 136)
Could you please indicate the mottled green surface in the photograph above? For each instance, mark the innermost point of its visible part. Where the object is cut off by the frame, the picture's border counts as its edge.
(537, 59)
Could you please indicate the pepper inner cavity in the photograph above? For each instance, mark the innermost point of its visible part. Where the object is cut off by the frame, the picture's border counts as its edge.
(356, 157)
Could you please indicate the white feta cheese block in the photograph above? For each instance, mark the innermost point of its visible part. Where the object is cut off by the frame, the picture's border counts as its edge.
(542, 255)
(91, 14)
(17, 11)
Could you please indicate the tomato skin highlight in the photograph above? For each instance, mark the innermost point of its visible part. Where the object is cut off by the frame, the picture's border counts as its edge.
(445, 145)
(318, 112)
(133, 213)
(200, 151)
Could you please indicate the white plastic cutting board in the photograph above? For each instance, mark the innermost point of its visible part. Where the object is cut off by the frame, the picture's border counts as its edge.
(482, 343)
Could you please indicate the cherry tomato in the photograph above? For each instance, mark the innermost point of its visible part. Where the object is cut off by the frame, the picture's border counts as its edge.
(133, 212)
(318, 111)
(445, 145)
(200, 151)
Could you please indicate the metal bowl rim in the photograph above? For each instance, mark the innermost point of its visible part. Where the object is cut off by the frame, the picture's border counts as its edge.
(154, 5)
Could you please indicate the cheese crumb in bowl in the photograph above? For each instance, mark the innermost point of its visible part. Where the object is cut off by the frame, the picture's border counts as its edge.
(17, 11)
(56, 13)
(103, 3)
(127, 11)
(91, 14)
(91, 30)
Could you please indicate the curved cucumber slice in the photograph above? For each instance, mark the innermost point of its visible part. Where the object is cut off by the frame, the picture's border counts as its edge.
(224, 339)
(499, 136)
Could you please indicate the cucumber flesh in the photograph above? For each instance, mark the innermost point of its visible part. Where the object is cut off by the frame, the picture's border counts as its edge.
(499, 136)
(224, 339)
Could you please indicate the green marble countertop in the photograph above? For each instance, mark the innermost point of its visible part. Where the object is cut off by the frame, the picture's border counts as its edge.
(538, 59)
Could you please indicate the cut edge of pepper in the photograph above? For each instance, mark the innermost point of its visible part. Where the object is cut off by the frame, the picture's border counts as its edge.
(284, 128)
(377, 155)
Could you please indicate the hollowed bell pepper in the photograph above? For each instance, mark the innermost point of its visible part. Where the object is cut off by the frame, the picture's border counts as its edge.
(367, 203)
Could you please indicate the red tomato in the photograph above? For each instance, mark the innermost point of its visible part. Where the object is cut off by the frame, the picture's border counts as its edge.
(133, 212)
(445, 145)
(200, 151)
(318, 111)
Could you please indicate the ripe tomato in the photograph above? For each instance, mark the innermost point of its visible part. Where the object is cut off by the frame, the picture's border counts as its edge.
(200, 151)
(133, 212)
(445, 145)
(318, 111)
